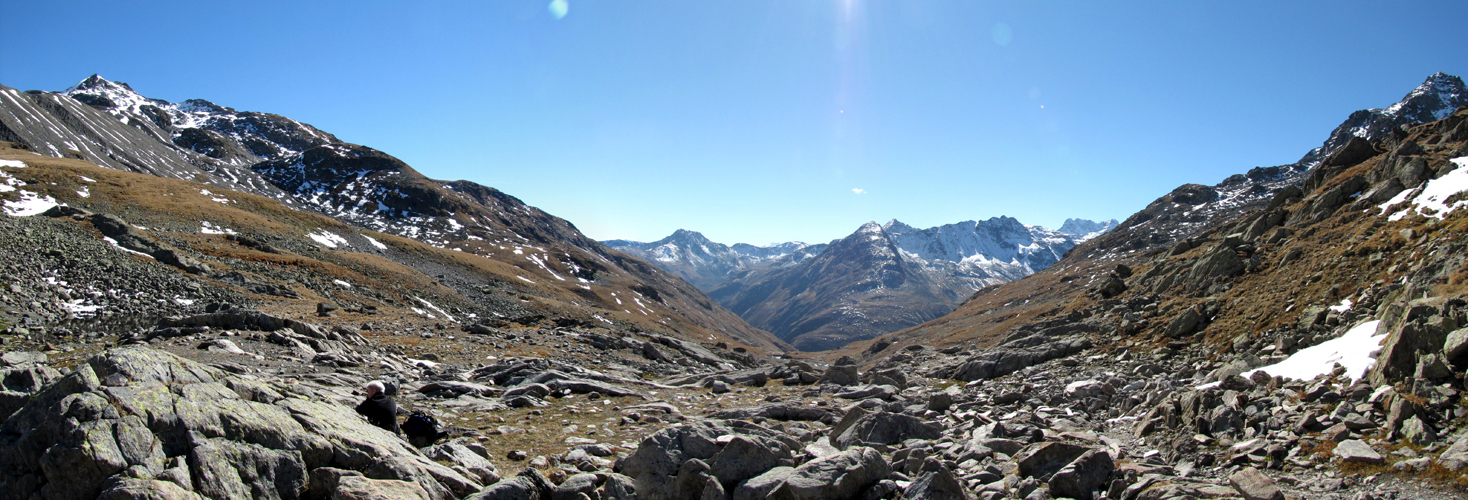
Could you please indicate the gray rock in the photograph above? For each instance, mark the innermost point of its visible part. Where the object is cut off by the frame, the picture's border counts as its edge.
(938, 484)
(1356, 451)
(455, 388)
(940, 401)
(1183, 324)
(529, 484)
(760, 487)
(1220, 262)
(658, 465)
(742, 459)
(842, 372)
(229, 469)
(778, 411)
(1455, 458)
(842, 475)
(1432, 367)
(884, 428)
(1042, 460)
(461, 455)
(719, 387)
(575, 485)
(1455, 346)
(1419, 327)
(1415, 431)
(1254, 485)
(222, 345)
(18, 358)
(893, 377)
(361, 488)
(251, 442)
(533, 390)
(1083, 476)
(884, 392)
(121, 488)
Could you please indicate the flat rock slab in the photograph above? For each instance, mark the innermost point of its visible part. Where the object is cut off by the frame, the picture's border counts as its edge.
(1356, 451)
(1254, 485)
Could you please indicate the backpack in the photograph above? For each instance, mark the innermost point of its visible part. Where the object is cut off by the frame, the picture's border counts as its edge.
(421, 428)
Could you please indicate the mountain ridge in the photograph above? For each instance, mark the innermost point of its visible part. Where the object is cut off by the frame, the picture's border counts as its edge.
(306, 169)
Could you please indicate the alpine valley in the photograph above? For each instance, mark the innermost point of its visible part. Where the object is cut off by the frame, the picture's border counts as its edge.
(880, 279)
(193, 295)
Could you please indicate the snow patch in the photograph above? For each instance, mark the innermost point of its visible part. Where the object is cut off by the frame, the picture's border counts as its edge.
(80, 308)
(216, 198)
(1356, 351)
(210, 228)
(375, 243)
(342, 283)
(13, 164)
(327, 239)
(29, 204)
(1432, 199)
(435, 308)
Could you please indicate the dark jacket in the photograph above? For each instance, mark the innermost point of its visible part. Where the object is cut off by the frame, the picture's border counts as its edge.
(382, 411)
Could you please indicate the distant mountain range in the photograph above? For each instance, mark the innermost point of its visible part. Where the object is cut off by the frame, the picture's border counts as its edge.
(708, 264)
(880, 279)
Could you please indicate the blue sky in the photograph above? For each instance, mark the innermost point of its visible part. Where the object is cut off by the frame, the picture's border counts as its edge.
(759, 121)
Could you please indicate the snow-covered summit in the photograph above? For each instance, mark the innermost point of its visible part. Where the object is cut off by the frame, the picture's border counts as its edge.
(1437, 97)
(236, 138)
(1086, 229)
(706, 263)
(1433, 100)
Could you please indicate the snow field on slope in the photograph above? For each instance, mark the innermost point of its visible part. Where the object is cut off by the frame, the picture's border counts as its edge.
(1432, 200)
(1356, 351)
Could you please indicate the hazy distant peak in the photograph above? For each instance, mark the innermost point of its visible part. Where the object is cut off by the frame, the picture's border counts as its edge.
(1082, 227)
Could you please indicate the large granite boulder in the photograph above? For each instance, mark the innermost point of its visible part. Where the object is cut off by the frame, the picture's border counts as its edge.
(677, 462)
(165, 419)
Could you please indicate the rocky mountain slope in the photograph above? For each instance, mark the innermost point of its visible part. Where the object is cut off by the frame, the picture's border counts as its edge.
(492, 252)
(885, 278)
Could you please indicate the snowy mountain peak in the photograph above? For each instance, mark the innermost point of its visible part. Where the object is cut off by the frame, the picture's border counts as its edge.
(1085, 227)
(686, 236)
(870, 227)
(96, 82)
(896, 226)
(1438, 96)
(98, 91)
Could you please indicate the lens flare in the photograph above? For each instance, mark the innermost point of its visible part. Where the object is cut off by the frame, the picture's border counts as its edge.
(558, 8)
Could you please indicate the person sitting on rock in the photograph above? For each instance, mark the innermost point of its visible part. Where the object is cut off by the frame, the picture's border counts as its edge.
(379, 409)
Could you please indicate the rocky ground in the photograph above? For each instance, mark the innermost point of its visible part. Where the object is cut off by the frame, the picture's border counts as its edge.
(243, 404)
